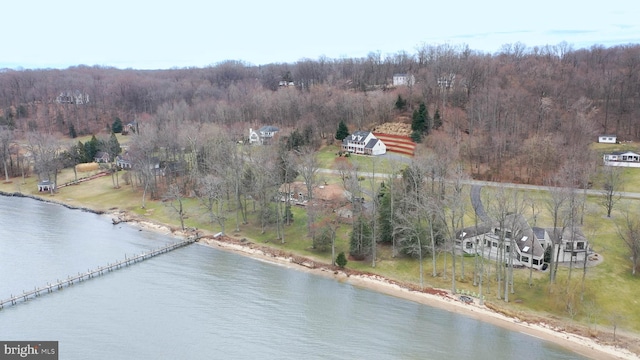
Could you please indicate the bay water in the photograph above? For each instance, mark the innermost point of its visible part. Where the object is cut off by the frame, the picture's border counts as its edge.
(198, 302)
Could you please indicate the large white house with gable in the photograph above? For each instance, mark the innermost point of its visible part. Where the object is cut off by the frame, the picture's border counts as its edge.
(363, 142)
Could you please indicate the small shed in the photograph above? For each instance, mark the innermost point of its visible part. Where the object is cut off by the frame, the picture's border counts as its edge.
(608, 139)
(46, 185)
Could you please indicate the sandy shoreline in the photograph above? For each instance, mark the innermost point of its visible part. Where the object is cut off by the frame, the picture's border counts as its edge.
(439, 298)
(442, 300)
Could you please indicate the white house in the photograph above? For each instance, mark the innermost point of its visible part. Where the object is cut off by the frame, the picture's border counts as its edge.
(263, 136)
(607, 139)
(527, 244)
(363, 142)
(403, 79)
(622, 158)
(72, 97)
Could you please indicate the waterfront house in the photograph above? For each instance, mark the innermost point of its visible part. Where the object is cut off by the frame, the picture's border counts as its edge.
(527, 244)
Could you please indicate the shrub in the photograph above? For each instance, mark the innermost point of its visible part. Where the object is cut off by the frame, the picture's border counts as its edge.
(341, 260)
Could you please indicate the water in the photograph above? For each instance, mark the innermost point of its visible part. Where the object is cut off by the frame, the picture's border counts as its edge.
(201, 303)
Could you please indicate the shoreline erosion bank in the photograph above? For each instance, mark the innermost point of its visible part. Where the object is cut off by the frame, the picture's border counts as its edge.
(438, 298)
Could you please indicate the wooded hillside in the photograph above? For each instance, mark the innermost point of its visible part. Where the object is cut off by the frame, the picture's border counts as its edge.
(517, 115)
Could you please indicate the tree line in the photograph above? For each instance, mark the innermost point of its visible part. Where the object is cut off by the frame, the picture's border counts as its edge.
(517, 111)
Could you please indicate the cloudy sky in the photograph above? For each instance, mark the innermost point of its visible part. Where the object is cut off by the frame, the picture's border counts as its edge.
(185, 33)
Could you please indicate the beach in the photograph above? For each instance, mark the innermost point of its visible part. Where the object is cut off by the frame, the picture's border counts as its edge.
(439, 298)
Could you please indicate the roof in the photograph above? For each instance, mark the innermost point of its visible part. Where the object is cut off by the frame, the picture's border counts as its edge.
(371, 143)
(607, 135)
(472, 231)
(523, 235)
(356, 136)
(269, 128)
(623, 153)
(539, 232)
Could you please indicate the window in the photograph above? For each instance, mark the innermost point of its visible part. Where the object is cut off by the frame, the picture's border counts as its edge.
(525, 259)
(495, 244)
(469, 245)
(536, 262)
(580, 245)
(507, 248)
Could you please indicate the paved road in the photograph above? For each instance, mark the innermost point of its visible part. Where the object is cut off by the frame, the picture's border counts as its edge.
(476, 201)
(472, 183)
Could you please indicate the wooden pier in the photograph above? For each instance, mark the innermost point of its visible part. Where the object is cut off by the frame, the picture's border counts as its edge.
(70, 280)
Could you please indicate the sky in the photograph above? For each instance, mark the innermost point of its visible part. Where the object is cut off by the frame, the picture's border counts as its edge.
(197, 33)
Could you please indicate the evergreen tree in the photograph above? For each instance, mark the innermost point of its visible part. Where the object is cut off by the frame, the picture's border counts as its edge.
(91, 148)
(295, 140)
(420, 120)
(112, 146)
(342, 131)
(72, 131)
(80, 152)
(416, 136)
(116, 127)
(385, 216)
(437, 121)
(341, 260)
(401, 103)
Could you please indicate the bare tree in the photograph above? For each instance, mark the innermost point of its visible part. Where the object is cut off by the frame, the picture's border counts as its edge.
(613, 182)
(555, 205)
(629, 232)
(6, 138)
(143, 152)
(45, 150)
(308, 166)
(174, 199)
(211, 192)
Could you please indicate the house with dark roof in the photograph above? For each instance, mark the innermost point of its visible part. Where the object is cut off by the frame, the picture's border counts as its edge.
(102, 157)
(263, 136)
(124, 161)
(527, 244)
(363, 142)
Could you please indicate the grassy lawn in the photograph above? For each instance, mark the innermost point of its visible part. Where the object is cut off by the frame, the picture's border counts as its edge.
(609, 287)
(366, 164)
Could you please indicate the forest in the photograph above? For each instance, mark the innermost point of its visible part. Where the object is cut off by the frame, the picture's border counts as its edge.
(519, 114)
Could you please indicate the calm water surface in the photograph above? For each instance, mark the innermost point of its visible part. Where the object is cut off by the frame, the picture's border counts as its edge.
(201, 303)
